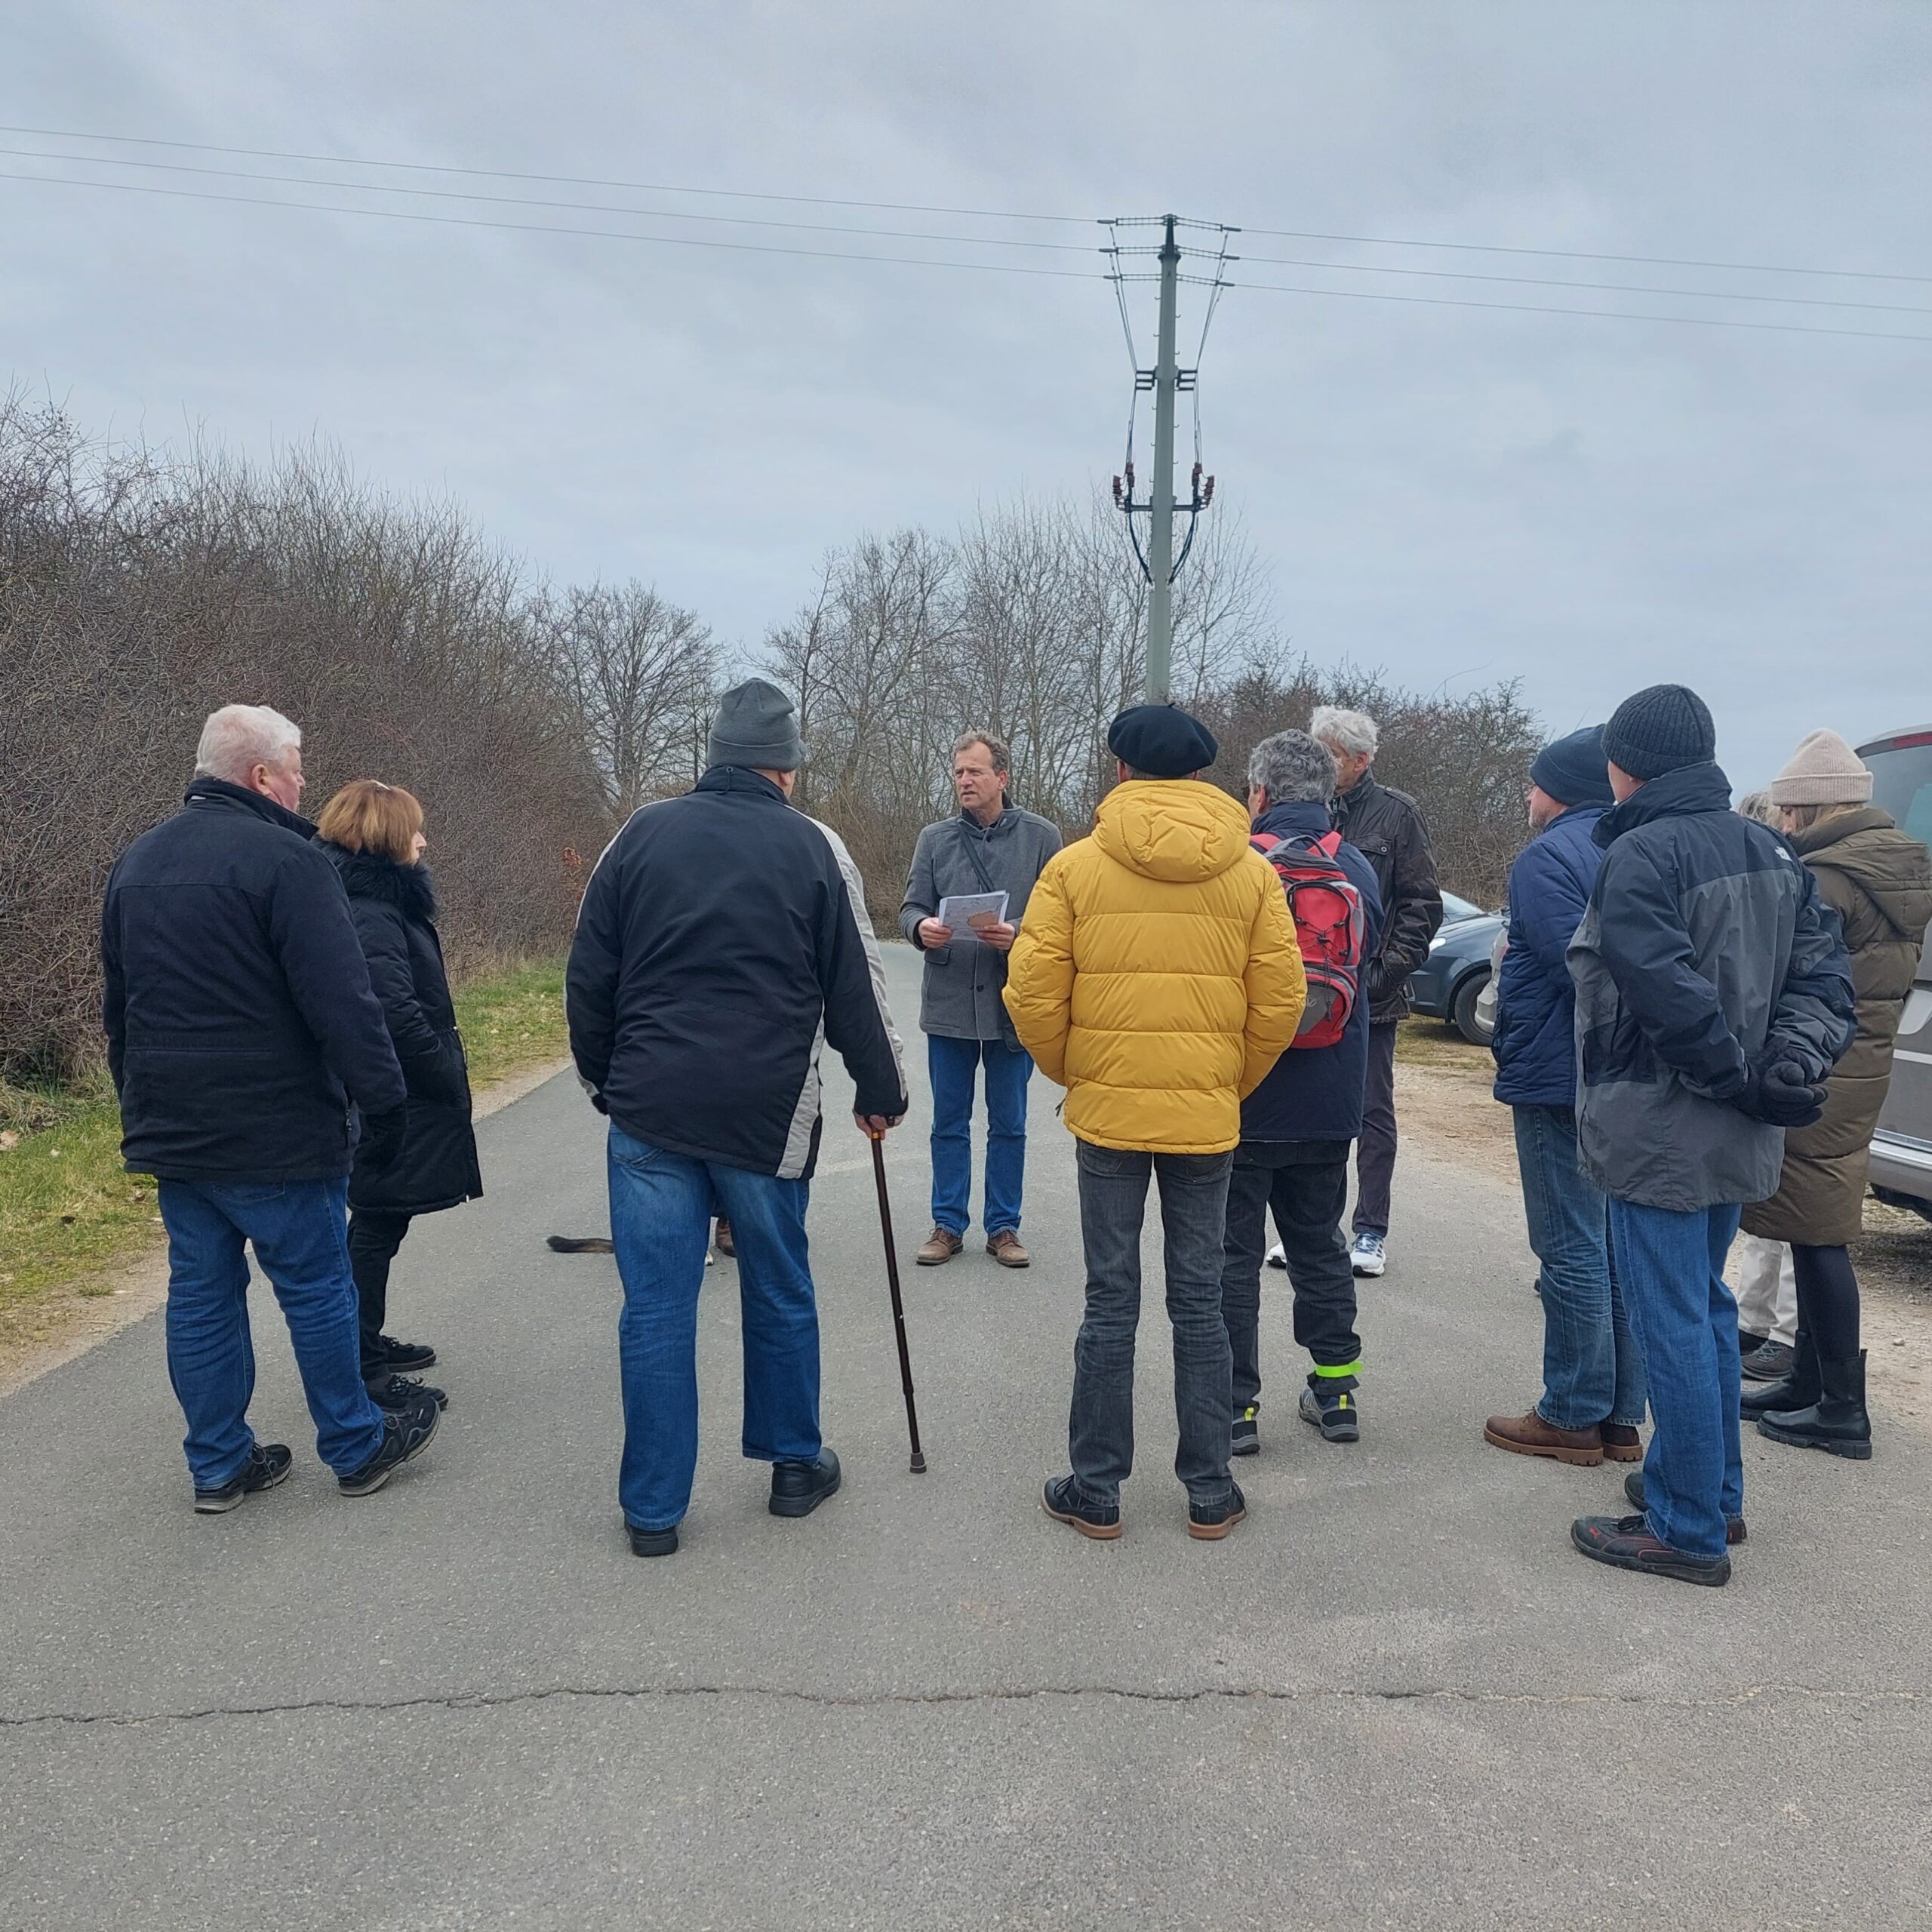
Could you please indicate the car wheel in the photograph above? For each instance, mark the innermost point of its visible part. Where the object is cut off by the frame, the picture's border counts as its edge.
(1462, 1010)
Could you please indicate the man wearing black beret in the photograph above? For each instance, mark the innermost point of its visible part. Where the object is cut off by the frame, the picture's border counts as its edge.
(1189, 986)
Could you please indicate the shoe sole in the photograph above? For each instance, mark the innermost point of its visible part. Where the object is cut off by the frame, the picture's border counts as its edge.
(1362, 1274)
(1281, 1264)
(804, 1506)
(1005, 1263)
(1751, 1374)
(1245, 1449)
(1623, 1452)
(1581, 1458)
(376, 1482)
(1100, 1532)
(1713, 1577)
(220, 1505)
(934, 1260)
(1853, 1452)
(1346, 1432)
(1214, 1532)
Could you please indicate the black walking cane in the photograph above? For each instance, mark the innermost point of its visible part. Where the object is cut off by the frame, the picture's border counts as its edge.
(878, 1140)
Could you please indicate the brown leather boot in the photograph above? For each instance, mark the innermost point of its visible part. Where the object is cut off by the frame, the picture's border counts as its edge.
(1621, 1443)
(1005, 1249)
(1530, 1436)
(941, 1245)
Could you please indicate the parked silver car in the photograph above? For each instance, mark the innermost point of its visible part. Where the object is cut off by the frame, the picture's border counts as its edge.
(1902, 1149)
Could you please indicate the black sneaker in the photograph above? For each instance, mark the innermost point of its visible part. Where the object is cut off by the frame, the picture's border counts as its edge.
(1208, 1522)
(1061, 1501)
(403, 1392)
(1626, 1543)
(387, 1356)
(798, 1488)
(653, 1542)
(1633, 1487)
(268, 1464)
(1334, 1412)
(406, 1433)
(1248, 1433)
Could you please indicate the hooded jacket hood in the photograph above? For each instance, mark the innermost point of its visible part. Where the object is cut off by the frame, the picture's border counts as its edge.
(1177, 830)
(1893, 871)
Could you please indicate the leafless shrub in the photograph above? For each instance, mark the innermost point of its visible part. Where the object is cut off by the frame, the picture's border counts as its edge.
(137, 593)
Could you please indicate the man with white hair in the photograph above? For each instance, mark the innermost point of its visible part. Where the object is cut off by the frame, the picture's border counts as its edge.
(1387, 827)
(240, 1028)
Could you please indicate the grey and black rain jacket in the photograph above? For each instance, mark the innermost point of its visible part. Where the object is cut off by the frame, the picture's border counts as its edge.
(722, 944)
(1706, 949)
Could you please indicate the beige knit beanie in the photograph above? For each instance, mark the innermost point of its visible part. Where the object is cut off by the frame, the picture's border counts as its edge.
(1824, 771)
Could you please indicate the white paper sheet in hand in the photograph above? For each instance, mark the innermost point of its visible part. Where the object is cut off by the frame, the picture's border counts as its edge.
(970, 911)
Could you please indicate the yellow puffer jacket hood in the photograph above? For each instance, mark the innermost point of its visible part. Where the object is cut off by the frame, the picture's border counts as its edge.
(1156, 976)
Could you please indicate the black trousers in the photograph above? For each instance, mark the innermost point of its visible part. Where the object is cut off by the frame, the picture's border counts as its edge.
(1827, 1299)
(1375, 1157)
(1305, 1183)
(373, 1239)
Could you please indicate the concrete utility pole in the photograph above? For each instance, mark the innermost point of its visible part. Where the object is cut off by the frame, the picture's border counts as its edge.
(1160, 493)
(1167, 381)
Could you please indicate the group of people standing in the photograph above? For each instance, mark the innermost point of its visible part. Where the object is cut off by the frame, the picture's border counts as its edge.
(1694, 1030)
(1695, 1020)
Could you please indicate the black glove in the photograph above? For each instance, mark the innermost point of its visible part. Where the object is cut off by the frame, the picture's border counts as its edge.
(1780, 1092)
(382, 1136)
(602, 1105)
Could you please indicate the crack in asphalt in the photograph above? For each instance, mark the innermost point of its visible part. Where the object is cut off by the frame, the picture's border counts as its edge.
(475, 1700)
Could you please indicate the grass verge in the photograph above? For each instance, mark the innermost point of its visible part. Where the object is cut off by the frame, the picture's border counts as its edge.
(69, 1211)
(1434, 1043)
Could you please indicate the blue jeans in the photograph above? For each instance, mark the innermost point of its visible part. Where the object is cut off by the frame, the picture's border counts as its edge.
(1591, 1370)
(952, 1064)
(1686, 1322)
(299, 1228)
(1113, 1203)
(661, 1208)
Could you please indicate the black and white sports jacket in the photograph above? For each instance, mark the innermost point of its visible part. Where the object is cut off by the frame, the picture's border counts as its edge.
(722, 942)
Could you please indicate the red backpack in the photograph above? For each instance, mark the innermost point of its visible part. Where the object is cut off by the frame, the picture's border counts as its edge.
(1326, 907)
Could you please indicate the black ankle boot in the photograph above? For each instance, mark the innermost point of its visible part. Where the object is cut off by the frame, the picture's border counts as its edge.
(1799, 1390)
(1837, 1421)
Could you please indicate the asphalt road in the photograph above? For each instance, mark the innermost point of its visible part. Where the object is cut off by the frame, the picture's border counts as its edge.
(1393, 1697)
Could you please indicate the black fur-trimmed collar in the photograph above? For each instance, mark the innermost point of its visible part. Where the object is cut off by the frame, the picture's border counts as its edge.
(369, 875)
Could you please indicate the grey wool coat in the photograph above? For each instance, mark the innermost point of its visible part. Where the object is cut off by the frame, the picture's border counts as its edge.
(962, 999)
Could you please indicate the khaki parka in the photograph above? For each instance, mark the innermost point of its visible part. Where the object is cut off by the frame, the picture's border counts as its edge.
(1879, 882)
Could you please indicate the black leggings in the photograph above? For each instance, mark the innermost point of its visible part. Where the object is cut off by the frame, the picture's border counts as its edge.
(373, 1239)
(1827, 1299)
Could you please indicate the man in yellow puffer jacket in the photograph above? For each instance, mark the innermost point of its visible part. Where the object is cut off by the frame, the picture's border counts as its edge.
(1155, 978)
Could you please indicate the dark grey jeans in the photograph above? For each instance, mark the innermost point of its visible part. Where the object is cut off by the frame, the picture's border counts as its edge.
(1375, 1152)
(1113, 1204)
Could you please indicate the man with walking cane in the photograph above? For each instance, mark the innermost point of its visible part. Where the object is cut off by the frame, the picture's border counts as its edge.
(723, 941)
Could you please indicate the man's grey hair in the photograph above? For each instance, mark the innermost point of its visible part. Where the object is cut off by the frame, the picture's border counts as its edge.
(1354, 732)
(240, 736)
(1758, 805)
(996, 748)
(1293, 769)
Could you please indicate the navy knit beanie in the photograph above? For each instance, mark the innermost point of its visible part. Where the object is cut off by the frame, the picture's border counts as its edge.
(1660, 729)
(1574, 771)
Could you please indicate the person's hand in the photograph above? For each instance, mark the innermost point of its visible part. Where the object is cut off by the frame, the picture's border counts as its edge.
(1000, 938)
(932, 934)
(1779, 1093)
(602, 1105)
(875, 1126)
(382, 1136)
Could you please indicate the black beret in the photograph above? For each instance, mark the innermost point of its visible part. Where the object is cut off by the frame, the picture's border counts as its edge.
(1161, 741)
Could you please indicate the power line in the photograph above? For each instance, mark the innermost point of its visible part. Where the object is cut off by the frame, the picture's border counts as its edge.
(917, 261)
(554, 181)
(552, 228)
(919, 207)
(1607, 315)
(1607, 287)
(1580, 255)
(533, 202)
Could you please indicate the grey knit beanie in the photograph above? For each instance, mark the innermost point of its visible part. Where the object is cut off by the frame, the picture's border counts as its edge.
(1824, 771)
(1661, 729)
(757, 725)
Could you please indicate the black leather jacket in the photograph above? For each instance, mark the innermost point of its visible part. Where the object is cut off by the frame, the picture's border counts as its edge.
(1386, 827)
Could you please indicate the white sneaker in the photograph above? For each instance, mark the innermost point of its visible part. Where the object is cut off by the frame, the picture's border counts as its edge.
(1367, 1256)
(1277, 1255)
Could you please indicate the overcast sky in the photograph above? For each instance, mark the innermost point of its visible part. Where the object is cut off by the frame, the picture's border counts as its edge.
(1453, 494)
